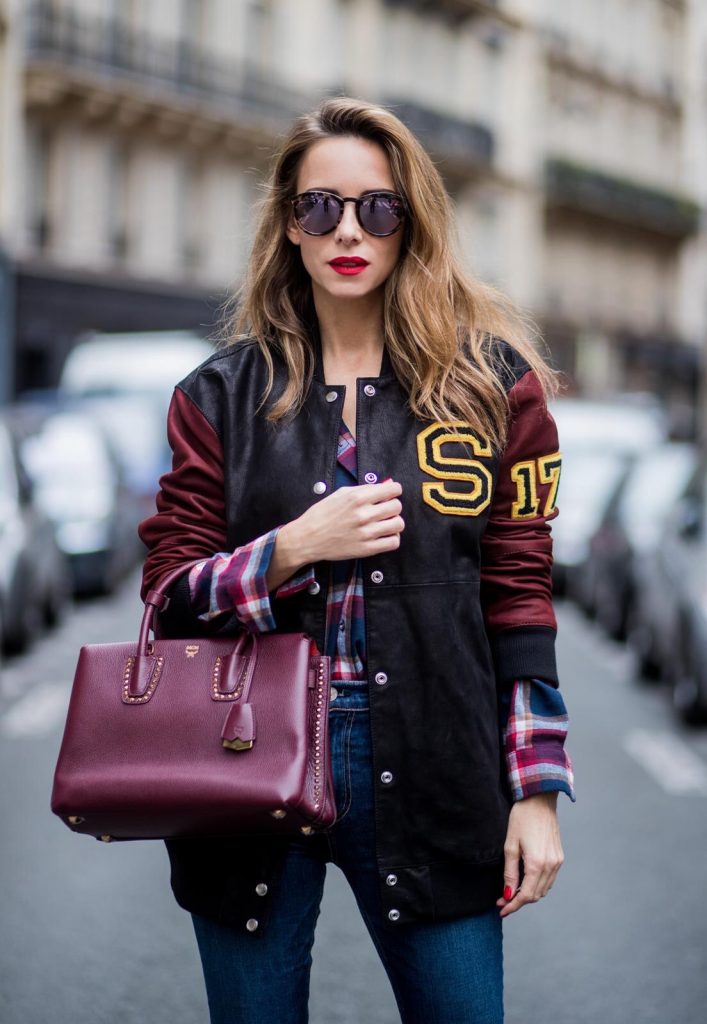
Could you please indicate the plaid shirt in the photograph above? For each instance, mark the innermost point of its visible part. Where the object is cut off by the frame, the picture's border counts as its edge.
(533, 714)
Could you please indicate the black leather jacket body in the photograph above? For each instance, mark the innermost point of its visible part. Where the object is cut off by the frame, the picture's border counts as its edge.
(455, 614)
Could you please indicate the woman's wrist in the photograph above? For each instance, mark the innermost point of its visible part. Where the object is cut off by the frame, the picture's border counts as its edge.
(548, 799)
(289, 554)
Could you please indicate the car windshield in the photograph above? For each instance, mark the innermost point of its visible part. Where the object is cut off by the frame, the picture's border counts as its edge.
(71, 468)
(607, 426)
(137, 430)
(8, 478)
(587, 481)
(654, 484)
(125, 364)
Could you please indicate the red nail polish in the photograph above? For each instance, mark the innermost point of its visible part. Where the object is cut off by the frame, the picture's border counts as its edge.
(507, 893)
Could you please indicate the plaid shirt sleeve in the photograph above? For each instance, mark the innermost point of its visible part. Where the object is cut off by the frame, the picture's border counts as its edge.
(235, 582)
(534, 733)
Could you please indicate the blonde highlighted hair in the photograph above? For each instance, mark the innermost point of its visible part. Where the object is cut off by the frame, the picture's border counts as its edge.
(439, 320)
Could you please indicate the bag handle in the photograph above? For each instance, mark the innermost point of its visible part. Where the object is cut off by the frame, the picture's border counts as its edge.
(236, 669)
(156, 600)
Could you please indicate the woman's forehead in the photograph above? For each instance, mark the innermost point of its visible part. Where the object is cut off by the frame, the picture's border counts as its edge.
(345, 164)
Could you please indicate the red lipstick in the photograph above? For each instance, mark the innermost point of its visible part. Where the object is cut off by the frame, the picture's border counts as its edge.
(348, 265)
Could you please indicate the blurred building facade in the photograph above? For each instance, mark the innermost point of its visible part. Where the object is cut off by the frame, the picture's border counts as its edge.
(572, 137)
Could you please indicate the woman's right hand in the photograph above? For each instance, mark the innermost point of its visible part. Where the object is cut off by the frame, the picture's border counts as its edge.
(351, 522)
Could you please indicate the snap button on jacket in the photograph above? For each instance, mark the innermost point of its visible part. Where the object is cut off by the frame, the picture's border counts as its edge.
(455, 614)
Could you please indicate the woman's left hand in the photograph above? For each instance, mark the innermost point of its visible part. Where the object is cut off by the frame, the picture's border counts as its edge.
(533, 835)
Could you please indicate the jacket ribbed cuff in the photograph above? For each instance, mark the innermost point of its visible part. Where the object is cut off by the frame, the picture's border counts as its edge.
(524, 652)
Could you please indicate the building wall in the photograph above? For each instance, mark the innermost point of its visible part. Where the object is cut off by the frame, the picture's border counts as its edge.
(617, 85)
(137, 170)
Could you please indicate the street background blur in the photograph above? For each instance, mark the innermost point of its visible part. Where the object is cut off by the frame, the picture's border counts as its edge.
(572, 138)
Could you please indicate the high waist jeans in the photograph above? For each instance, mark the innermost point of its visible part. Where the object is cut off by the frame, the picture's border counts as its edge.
(448, 972)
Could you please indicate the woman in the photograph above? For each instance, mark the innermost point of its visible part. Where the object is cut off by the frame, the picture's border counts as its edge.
(372, 462)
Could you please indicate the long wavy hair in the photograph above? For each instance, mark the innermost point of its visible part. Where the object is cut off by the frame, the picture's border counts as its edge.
(439, 321)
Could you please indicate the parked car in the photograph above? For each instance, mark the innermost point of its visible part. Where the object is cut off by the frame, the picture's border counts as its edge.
(632, 525)
(675, 604)
(628, 423)
(146, 363)
(599, 441)
(80, 485)
(138, 433)
(34, 582)
(126, 381)
(588, 484)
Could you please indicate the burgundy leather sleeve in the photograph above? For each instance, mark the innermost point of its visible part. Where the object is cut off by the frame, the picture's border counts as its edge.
(190, 519)
(516, 555)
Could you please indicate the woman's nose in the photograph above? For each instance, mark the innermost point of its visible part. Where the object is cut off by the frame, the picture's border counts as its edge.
(348, 228)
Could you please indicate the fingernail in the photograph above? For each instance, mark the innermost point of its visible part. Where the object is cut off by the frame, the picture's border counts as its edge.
(507, 893)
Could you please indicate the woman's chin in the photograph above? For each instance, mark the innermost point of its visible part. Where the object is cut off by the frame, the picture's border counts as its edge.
(346, 289)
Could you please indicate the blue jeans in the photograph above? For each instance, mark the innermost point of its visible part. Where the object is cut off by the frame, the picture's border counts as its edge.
(448, 972)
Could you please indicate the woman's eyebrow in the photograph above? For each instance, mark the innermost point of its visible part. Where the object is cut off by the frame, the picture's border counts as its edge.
(335, 191)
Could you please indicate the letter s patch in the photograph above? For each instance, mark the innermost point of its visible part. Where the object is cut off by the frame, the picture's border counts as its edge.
(430, 445)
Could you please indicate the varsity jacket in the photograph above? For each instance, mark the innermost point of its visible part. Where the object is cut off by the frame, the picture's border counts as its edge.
(453, 616)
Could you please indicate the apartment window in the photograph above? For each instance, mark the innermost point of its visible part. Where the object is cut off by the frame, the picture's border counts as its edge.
(343, 28)
(117, 202)
(37, 210)
(395, 43)
(191, 20)
(259, 33)
(490, 83)
(187, 219)
(437, 49)
(486, 251)
(191, 35)
(251, 198)
(133, 14)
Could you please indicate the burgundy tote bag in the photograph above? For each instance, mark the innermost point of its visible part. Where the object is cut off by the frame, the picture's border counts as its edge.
(211, 736)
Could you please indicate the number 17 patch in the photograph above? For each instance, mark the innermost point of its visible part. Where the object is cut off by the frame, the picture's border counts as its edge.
(526, 476)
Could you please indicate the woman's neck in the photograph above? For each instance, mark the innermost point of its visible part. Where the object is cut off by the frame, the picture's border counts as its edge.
(351, 333)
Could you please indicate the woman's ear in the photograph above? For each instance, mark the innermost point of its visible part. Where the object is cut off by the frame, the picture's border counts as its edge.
(292, 230)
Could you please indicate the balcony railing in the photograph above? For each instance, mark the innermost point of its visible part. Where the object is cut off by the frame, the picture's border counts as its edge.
(573, 56)
(107, 49)
(465, 143)
(459, 9)
(584, 189)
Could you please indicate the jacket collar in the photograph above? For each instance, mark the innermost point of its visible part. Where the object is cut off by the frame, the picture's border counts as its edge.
(386, 370)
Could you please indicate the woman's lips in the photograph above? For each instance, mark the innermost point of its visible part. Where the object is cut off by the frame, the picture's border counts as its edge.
(347, 267)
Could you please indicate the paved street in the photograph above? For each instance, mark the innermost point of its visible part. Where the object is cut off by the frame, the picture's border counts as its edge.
(90, 933)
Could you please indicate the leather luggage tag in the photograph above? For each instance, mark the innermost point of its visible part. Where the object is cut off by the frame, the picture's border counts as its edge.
(238, 731)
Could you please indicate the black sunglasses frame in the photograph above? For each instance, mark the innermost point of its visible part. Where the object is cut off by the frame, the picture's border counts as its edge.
(342, 200)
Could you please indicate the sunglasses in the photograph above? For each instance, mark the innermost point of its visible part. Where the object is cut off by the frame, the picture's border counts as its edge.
(378, 213)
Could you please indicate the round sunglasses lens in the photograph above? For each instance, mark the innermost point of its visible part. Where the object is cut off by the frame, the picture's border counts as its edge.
(317, 214)
(381, 215)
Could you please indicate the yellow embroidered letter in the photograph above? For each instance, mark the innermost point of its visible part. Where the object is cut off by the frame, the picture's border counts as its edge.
(457, 467)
